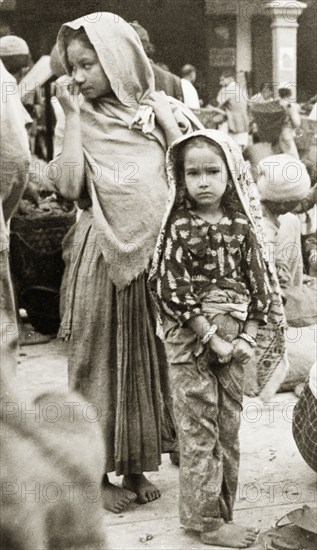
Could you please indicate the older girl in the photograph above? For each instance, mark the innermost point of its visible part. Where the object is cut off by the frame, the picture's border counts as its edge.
(113, 162)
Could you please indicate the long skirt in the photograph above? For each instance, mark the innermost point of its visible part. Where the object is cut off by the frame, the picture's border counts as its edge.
(118, 363)
(207, 406)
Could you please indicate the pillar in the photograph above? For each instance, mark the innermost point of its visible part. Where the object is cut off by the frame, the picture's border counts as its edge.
(284, 14)
(244, 41)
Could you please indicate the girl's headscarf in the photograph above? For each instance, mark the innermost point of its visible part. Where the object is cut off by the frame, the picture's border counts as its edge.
(271, 342)
(124, 153)
(120, 52)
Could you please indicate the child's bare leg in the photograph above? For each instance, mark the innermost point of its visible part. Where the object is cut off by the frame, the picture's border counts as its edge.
(116, 499)
(231, 535)
(145, 490)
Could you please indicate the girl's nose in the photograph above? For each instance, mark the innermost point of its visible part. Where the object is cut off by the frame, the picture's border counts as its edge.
(78, 76)
(204, 181)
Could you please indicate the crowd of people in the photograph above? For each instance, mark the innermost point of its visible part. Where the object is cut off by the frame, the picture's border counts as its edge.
(179, 269)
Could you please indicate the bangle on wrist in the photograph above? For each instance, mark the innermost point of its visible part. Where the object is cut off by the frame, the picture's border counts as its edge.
(248, 339)
(210, 332)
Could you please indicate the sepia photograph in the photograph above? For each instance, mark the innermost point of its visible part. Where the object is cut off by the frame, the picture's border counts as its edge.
(158, 267)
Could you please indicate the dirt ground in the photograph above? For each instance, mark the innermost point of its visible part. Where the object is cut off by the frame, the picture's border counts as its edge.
(274, 479)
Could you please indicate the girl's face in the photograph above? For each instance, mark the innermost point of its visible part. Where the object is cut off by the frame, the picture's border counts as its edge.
(205, 175)
(87, 71)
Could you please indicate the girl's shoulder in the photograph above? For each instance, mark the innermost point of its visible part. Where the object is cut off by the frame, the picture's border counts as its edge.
(237, 219)
(180, 218)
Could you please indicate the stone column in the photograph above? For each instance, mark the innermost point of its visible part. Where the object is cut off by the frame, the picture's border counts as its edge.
(284, 15)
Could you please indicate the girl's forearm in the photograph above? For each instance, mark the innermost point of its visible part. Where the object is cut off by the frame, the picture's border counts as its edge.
(172, 132)
(199, 324)
(70, 175)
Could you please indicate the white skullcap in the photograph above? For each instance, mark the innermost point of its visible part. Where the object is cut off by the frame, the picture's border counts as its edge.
(283, 178)
(13, 45)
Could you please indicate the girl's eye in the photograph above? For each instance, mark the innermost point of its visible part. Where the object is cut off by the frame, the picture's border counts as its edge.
(87, 66)
(192, 172)
(213, 170)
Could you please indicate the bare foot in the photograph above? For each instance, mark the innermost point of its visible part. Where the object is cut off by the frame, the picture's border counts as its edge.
(116, 499)
(230, 534)
(145, 490)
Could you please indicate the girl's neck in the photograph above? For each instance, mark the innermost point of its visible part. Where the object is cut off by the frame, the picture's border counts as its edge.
(210, 213)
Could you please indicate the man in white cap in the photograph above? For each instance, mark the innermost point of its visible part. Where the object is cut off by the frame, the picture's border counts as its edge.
(15, 55)
(284, 181)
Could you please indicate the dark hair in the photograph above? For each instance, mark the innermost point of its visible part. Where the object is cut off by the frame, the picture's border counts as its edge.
(77, 34)
(186, 70)
(14, 63)
(284, 93)
(230, 200)
(266, 85)
(228, 73)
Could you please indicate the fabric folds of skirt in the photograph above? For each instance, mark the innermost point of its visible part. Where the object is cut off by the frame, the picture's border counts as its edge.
(118, 363)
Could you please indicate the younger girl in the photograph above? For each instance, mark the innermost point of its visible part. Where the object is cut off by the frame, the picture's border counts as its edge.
(213, 289)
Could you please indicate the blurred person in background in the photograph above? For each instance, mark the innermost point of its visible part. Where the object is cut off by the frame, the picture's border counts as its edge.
(232, 98)
(15, 56)
(265, 95)
(191, 99)
(292, 120)
(164, 80)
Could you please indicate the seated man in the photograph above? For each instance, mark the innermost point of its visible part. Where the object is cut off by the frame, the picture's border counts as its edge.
(284, 182)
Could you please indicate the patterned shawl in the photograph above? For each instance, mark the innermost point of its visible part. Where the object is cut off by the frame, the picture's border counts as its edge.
(124, 149)
(271, 340)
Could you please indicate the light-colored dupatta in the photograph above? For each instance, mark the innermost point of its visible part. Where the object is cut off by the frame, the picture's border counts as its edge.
(271, 340)
(124, 149)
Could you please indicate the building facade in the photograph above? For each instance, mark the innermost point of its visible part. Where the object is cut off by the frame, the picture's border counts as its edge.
(265, 41)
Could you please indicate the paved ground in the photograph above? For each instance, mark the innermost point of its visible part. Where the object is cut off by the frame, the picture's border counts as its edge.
(274, 479)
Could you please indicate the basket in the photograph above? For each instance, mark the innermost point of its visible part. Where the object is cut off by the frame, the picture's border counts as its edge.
(42, 230)
(36, 260)
(269, 118)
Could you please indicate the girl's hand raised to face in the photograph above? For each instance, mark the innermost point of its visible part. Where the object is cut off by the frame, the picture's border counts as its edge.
(67, 94)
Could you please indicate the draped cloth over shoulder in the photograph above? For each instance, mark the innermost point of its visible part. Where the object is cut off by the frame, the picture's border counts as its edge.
(124, 151)
(271, 340)
(116, 360)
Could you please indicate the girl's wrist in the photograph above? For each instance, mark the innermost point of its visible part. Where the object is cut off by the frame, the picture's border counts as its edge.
(172, 132)
(210, 333)
(247, 338)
